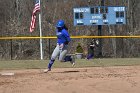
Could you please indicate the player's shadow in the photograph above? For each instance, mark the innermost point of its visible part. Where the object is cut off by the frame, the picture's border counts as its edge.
(71, 71)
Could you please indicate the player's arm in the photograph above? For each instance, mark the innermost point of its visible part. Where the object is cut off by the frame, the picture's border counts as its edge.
(67, 36)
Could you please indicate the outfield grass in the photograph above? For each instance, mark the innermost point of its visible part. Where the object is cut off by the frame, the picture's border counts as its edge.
(37, 64)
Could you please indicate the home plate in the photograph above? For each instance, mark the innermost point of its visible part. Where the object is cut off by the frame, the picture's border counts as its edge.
(7, 74)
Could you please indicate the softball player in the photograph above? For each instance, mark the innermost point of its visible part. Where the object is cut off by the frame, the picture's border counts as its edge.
(63, 39)
(91, 48)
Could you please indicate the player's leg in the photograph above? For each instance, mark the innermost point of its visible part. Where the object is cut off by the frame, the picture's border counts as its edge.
(53, 57)
(72, 60)
(63, 54)
(64, 58)
(90, 56)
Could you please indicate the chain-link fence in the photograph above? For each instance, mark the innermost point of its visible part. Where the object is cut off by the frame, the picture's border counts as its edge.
(29, 49)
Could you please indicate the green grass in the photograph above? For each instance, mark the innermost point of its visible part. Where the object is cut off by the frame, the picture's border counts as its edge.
(37, 64)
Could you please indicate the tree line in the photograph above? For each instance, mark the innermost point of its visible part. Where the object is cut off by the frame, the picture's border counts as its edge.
(15, 18)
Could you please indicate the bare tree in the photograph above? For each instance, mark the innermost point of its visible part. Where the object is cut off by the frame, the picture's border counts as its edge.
(15, 18)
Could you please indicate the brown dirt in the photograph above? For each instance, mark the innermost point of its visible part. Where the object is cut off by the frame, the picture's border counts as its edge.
(73, 80)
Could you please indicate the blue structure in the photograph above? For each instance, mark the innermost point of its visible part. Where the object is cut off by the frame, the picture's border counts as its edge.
(99, 15)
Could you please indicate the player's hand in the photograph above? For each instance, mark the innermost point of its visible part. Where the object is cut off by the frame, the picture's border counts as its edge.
(61, 46)
(97, 42)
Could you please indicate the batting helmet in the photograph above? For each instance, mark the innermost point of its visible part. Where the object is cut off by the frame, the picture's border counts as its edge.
(60, 23)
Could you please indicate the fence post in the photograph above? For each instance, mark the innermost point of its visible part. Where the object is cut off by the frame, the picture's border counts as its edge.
(11, 44)
(49, 49)
(100, 34)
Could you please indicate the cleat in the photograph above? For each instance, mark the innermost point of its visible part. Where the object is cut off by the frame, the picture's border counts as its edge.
(72, 61)
(73, 64)
(46, 70)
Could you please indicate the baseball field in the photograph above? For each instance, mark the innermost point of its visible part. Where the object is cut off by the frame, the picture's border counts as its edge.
(114, 75)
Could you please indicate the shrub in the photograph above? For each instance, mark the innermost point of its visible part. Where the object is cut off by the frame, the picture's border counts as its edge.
(79, 48)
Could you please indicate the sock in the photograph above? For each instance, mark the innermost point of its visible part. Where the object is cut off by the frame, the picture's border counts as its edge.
(67, 58)
(90, 56)
(50, 64)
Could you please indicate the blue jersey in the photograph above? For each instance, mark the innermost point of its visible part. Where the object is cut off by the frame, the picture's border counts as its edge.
(62, 36)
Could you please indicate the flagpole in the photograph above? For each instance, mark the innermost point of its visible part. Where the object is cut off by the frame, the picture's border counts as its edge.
(41, 45)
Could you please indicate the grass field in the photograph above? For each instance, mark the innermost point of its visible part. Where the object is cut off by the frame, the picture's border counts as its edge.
(107, 75)
(37, 64)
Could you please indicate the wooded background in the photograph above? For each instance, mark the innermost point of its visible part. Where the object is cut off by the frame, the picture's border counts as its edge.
(15, 18)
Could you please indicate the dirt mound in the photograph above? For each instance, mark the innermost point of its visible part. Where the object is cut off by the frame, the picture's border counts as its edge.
(73, 80)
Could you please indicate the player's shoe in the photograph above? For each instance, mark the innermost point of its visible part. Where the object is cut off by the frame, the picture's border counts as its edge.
(73, 64)
(46, 70)
(72, 61)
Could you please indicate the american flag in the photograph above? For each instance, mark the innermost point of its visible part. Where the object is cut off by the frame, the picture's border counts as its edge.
(36, 9)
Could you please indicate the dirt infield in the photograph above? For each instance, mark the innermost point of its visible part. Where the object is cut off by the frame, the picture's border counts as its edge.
(122, 79)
